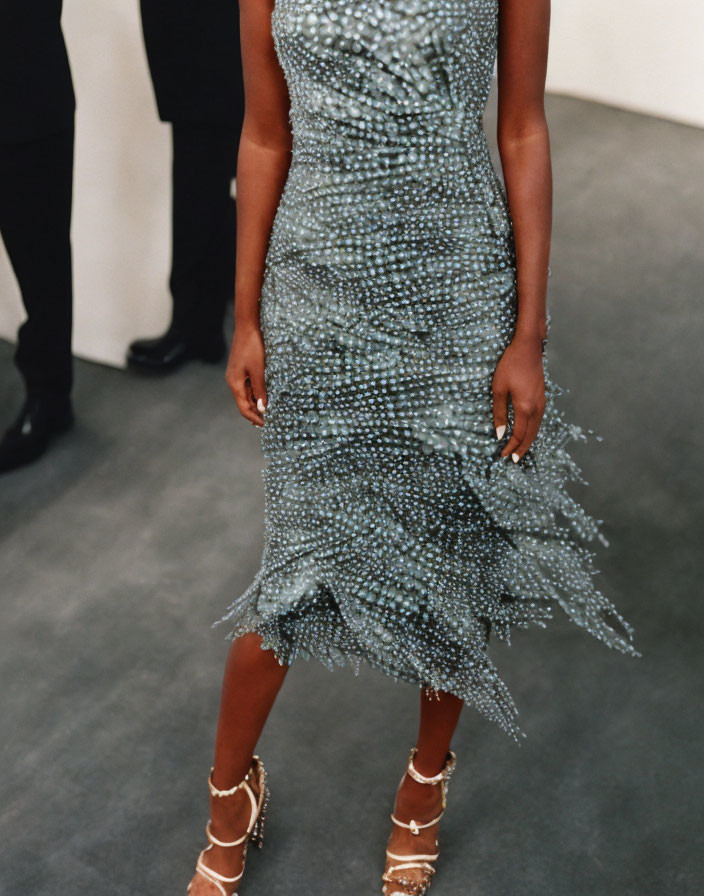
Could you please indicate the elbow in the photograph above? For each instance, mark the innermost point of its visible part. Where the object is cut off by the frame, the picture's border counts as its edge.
(269, 134)
(516, 132)
(268, 144)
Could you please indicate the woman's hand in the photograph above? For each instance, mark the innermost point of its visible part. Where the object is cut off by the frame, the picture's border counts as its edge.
(245, 373)
(519, 374)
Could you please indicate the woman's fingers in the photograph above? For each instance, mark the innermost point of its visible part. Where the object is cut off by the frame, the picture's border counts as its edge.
(518, 378)
(531, 432)
(525, 429)
(518, 432)
(245, 374)
(246, 404)
(500, 397)
(258, 390)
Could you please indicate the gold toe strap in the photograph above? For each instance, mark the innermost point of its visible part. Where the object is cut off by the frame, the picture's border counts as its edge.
(426, 868)
(217, 880)
(409, 863)
(408, 866)
(412, 858)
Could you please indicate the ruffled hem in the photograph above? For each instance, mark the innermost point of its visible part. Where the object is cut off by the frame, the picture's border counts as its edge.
(411, 570)
(318, 628)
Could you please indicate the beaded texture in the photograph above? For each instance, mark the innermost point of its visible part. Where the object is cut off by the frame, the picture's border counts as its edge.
(394, 532)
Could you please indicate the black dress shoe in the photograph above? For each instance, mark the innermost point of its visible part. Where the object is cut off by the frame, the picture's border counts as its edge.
(172, 350)
(40, 419)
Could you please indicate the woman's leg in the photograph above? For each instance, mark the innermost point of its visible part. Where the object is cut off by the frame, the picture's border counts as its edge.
(439, 715)
(438, 719)
(252, 679)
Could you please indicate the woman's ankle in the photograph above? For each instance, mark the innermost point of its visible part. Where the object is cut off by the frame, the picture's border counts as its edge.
(427, 763)
(412, 796)
(225, 776)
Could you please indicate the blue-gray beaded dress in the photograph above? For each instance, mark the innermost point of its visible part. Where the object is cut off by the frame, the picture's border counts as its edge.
(393, 532)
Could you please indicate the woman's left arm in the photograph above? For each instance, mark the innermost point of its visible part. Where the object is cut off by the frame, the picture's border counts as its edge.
(524, 147)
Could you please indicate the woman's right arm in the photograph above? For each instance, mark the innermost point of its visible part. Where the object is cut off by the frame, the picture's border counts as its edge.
(262, 166)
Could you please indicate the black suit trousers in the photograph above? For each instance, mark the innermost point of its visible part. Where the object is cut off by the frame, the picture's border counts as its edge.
(203, 227)
(36, 186)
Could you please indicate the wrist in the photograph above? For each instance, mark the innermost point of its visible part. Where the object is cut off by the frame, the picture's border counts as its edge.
(531, 331)
(246, 320)
(532, 339)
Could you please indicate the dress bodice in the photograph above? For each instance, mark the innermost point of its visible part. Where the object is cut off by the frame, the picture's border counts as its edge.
(376, 72)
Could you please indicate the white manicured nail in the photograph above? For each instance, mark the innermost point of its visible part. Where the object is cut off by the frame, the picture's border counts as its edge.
(515, 458)
(260, 406)
(500, 430)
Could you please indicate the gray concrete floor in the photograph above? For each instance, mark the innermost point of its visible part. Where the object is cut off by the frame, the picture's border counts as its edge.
(121, 547)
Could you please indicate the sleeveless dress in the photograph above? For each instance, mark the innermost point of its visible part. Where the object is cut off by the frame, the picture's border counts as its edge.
(394, 533)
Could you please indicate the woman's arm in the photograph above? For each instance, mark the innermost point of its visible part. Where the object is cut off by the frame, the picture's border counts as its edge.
(524, 147)
(262, 165)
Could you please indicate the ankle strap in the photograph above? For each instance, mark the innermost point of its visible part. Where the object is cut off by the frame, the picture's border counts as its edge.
(255, 803)
(243, 783)
(444, 772)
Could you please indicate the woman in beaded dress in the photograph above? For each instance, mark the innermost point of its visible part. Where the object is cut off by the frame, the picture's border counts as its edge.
(390, 319)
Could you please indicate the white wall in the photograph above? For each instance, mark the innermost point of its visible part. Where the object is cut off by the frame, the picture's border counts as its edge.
(121, 217)
(645, 55)
(642, 54)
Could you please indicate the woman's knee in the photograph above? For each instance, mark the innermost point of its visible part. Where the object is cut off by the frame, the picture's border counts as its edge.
(248, 650)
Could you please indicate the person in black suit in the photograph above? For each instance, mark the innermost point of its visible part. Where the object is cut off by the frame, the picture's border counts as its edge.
(193, 50)
(36, 182)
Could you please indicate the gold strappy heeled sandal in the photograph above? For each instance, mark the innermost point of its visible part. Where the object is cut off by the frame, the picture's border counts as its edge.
(227, 886)
(395, 882)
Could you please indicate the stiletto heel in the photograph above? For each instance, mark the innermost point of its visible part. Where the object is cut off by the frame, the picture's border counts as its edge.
(226, 886)
(257, 835)
(396, 884)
